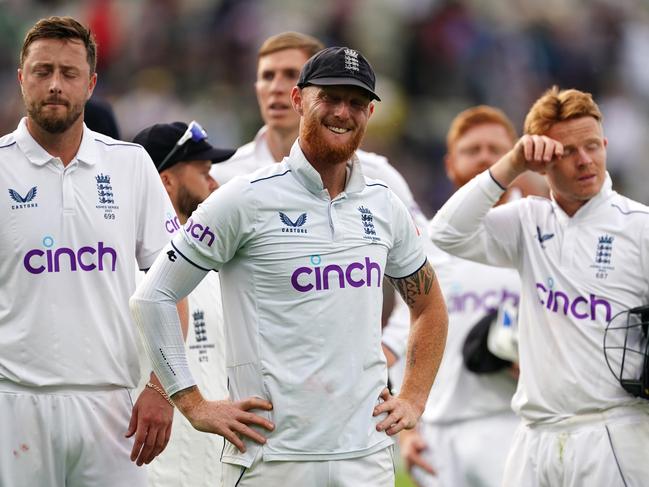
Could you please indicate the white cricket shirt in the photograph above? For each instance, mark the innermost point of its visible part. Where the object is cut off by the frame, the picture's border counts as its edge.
(69, 242)
(471, 291)
(301, 279)
(256, 155)
(576, 272)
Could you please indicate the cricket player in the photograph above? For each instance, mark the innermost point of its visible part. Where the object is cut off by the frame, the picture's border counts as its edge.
(463, 404)
(279, 61)
(302, 247)
(183, 157)
(80, 209)
(581, 259)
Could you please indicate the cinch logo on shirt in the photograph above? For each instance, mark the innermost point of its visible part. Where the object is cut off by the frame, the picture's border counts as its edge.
(87, 258)
(580, 307)
(356, 274)
(172, 224)
(199, 232)
(486, 302)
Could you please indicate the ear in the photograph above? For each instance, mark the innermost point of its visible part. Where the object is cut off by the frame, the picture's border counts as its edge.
(605, 140)
(371, 108)
(91, 85)
(19, 75)
(296, 100)
(450, 170)
(168, 181)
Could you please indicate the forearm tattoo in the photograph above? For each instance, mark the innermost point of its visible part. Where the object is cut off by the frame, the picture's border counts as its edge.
(412, 356)
(417, 284)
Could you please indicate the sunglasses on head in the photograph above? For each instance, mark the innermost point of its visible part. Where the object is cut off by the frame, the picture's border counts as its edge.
(194, 132)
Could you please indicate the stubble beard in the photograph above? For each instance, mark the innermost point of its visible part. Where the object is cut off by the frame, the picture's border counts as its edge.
(322, 151)
(53, 124)
(187, 202)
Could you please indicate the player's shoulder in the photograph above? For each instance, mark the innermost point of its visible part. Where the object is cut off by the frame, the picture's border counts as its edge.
(8, 140)
(376, 166)
(118, 151)
(257, 183)
(273, 174)
(627, 209)
(108, 144)
(244, 152)
(371, 159)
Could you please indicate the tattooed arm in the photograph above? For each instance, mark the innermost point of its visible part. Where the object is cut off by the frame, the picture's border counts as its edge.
(428, 327)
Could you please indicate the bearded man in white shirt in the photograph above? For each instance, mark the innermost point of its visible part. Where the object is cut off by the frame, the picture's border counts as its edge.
(302, 247)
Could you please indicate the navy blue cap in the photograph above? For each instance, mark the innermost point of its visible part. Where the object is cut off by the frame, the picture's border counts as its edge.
(339, 66)
(168, 144)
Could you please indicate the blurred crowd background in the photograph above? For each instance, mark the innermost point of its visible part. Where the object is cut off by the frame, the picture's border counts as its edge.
(166, 60)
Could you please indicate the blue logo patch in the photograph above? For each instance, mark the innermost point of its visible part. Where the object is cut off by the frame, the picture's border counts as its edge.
(199, 325)
(603, 255)
(293, 226)
(105, 196)
(367, 219)
(542, 237)
(104, 189)
(23, 202)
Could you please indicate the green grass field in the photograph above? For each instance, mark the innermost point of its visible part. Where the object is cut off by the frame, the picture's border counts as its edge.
(402, 479)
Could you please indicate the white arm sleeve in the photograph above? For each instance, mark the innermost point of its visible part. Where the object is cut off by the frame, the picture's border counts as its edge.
(153, 307)
(467, 226)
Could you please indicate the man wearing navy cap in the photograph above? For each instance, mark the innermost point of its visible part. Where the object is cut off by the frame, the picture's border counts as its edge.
(302, 247)
(184, 168)
(184, 158)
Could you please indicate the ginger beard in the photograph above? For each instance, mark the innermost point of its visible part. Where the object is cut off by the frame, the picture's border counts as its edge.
(51, 122)
(320, 149)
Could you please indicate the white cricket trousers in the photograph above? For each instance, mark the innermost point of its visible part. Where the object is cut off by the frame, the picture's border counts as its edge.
(469, 453)
(66, 437)
(607, 449)
(374, 470)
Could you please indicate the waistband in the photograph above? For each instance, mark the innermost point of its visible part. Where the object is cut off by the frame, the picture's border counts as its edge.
(10, 386)
(634, 412)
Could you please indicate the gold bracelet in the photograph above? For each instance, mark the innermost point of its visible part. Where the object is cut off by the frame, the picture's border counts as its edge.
(160, 391)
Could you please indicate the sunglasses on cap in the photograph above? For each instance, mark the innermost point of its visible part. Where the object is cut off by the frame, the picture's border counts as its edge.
(194, 132)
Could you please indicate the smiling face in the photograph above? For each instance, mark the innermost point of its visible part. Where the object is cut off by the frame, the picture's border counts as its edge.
(333, 122)
(56, 82)
(580, 173)
(277, 74)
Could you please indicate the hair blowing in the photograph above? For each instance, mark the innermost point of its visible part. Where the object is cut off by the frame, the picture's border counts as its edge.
(557, 105)
(61, 28)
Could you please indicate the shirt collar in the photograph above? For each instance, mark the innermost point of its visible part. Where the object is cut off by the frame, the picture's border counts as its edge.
(604, 193)
(87, 152)
(306, 174)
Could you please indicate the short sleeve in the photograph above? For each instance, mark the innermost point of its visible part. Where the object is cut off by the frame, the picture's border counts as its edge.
(156, 218)
(219, 226)
(407, 254)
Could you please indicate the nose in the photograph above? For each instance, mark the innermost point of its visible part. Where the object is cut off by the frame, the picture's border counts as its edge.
(341, 110)
(486, 158)
(279, 84)
(584, 156)
(55, 83)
